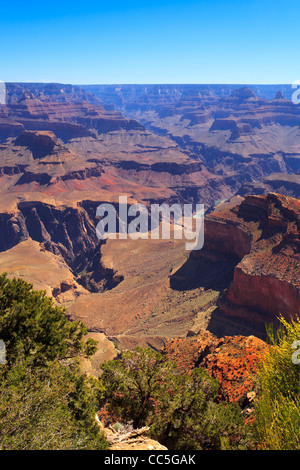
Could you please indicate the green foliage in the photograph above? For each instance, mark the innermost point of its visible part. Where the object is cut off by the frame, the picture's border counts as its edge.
(189, 418)
(134, 382)
(118, 427)
(278, 407)
(48, 409)
(144, 387)
(45, 402)
(32, 327)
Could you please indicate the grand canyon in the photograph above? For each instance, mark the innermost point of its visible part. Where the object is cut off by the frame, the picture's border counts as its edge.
(66, 149)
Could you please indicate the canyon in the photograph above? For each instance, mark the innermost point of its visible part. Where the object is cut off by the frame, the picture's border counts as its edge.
(65, 149)
(243, 133)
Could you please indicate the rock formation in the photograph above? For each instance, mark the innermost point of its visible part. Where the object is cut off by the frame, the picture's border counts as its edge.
(41, 143)
(232, 360)
(67, 118)
(263, 234)
(242, 134)
(133, 440)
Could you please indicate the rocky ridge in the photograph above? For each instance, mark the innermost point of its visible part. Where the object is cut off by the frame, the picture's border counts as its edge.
(245, 133)
(262, 233)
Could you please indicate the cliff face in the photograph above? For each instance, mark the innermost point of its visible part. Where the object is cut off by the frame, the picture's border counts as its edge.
(227, 237)
(40, 143)
(276, 182)
(64, 115)
(263, 233)
(66, 232)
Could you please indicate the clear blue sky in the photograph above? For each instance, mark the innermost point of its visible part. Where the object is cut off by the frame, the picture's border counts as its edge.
(167, 41)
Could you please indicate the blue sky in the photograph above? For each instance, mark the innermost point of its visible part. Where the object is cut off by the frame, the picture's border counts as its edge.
(88, 42)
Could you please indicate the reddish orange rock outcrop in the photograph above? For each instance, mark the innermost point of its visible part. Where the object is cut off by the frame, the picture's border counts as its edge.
(231, 360)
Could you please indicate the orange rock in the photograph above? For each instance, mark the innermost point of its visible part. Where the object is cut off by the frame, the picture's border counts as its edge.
(231, 360)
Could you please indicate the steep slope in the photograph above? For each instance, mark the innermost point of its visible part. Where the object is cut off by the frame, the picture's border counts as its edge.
(262, 235)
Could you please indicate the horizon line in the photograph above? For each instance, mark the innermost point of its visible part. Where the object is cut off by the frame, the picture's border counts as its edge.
(148, 84)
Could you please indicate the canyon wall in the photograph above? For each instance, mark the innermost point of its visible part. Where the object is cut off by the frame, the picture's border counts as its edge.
(263, 234)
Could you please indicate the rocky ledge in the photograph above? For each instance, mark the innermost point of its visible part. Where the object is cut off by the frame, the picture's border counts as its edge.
(262, 233)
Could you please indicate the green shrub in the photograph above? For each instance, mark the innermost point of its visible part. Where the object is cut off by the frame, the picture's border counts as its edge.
(45, 402)
(277, 421)
(32, 327)
(145, 387)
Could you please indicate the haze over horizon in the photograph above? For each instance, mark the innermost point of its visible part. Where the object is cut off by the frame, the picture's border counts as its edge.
(158, 42)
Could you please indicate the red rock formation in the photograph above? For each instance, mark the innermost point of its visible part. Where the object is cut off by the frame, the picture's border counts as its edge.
(66, 118)
(231, 360)
(263, 232)
(224, 236)
(229, 130)
(41, 143)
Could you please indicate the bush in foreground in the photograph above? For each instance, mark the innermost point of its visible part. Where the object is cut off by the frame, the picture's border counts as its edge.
(278, 407)
(144, 387)
(45, 402)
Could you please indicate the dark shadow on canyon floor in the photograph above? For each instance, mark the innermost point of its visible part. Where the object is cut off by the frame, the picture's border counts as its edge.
(206, 270)
(212, 272)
